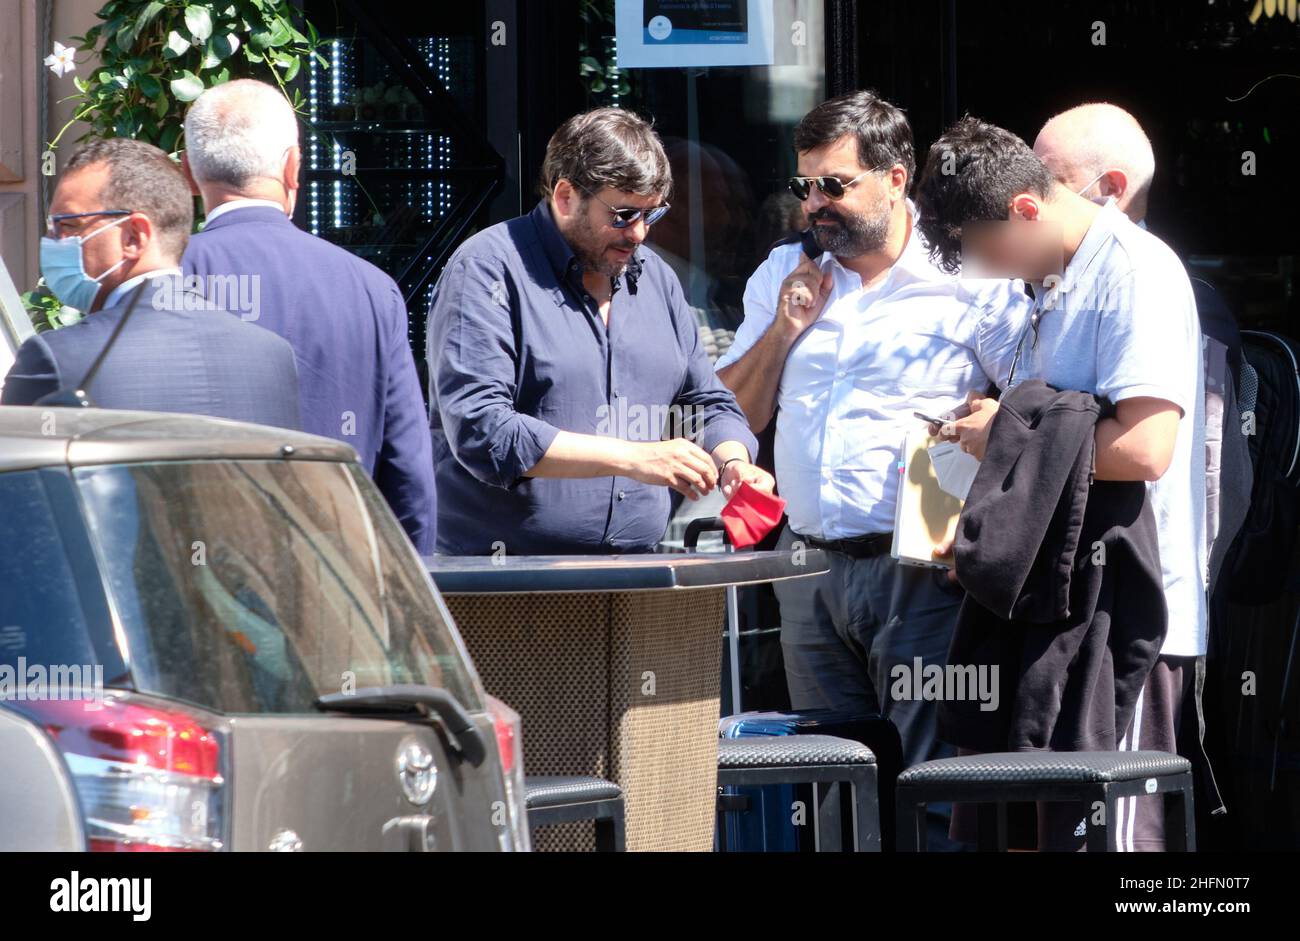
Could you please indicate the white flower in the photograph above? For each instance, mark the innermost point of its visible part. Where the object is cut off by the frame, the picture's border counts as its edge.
(61, 61)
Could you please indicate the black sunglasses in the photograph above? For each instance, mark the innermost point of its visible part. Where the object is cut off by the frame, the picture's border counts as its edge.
(626, 217)
(832, 187)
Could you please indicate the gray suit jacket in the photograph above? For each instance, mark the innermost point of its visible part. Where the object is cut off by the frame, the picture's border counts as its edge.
(173, 355)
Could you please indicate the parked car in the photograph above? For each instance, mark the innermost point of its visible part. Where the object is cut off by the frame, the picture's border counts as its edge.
(278, 671)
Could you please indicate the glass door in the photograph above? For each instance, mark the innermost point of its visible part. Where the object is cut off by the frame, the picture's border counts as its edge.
(396, 166)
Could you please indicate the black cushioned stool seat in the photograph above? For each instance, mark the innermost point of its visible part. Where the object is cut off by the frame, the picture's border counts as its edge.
(814, 759)
(564, 799)
(1009, 777)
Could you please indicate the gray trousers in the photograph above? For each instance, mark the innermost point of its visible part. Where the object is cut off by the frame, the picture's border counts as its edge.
(852, 637)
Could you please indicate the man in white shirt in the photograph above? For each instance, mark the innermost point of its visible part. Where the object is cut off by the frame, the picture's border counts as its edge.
(1118, 322)
(843, 348)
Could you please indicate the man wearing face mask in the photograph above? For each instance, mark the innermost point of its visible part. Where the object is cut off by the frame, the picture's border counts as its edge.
(848, 332)
(119, 220)
(345, 319)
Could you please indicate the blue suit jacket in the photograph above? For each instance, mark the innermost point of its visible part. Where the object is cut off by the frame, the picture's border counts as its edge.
(347, 324)
(167, 359)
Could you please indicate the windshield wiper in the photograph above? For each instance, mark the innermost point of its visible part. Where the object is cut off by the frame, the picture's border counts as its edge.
(406, 698)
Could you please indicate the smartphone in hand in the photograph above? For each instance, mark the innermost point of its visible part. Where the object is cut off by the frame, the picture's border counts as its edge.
(960, 411)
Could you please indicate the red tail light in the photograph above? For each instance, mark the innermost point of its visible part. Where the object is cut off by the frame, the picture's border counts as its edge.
(507, 732)
(148, 776)
(510, 747)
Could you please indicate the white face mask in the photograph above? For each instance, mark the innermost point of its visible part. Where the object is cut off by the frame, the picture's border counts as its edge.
(1100, 200)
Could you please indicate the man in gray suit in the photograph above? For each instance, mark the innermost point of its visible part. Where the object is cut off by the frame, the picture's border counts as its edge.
(119, 221)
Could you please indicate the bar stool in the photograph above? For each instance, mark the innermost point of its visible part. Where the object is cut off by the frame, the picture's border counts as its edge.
(800, 759)
(997, 779)
(564, 799)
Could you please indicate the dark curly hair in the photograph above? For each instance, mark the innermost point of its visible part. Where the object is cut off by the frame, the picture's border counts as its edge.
(971, 174)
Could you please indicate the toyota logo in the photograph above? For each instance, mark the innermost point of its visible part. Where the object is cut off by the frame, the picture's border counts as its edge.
(417, 772)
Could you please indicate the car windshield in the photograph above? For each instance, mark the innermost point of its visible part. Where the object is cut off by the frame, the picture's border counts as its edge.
(257, 586)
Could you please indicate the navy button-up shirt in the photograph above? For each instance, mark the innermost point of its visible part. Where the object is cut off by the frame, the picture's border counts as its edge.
(518, 352)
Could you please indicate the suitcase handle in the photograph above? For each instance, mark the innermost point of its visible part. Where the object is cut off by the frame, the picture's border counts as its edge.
(704, 524)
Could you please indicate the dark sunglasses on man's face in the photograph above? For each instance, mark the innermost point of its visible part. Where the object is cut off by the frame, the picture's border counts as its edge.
(832, 187)
(626, 217)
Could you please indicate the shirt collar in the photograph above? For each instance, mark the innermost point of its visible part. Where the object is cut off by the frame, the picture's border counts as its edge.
(219, 211)
(560, 253)
(121, 290)
(915, 262)
(1098, 234)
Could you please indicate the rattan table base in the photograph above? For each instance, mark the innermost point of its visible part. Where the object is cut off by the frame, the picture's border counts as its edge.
(623, 685)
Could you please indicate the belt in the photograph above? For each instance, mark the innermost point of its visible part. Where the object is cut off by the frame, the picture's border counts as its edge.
(858, 547)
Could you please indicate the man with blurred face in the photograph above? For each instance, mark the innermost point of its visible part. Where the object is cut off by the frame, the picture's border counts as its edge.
(559, 345)
(849, 330)
(1117, 320)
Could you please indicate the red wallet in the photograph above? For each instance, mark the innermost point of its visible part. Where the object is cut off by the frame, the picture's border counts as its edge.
(750, 515)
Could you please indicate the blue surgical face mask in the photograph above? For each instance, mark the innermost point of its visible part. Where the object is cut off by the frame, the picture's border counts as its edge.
(65, 272)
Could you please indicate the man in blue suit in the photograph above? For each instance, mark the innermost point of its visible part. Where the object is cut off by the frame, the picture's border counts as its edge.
(119, 220)
(345, 319)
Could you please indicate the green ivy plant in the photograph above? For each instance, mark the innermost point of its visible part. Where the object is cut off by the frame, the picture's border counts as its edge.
(150, 58)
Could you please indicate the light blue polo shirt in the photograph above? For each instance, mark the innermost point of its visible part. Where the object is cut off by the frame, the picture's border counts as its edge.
(1122, 324)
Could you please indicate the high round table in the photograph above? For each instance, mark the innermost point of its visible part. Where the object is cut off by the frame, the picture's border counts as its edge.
(613, 664)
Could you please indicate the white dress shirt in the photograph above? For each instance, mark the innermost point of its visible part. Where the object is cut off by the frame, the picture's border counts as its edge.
(918, 340)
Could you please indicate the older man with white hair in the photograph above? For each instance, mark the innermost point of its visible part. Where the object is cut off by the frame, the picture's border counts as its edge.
(1100, 150)
(345, 319)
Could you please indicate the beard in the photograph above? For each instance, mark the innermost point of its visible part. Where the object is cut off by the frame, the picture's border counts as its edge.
(850, 234)
(589, 247)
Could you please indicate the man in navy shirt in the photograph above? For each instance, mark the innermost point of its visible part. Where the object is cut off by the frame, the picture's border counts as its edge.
(344, 318)
(560, 350)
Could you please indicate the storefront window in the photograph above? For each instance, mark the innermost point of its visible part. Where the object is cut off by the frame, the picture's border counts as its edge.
(727, 131)
(396, 167)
